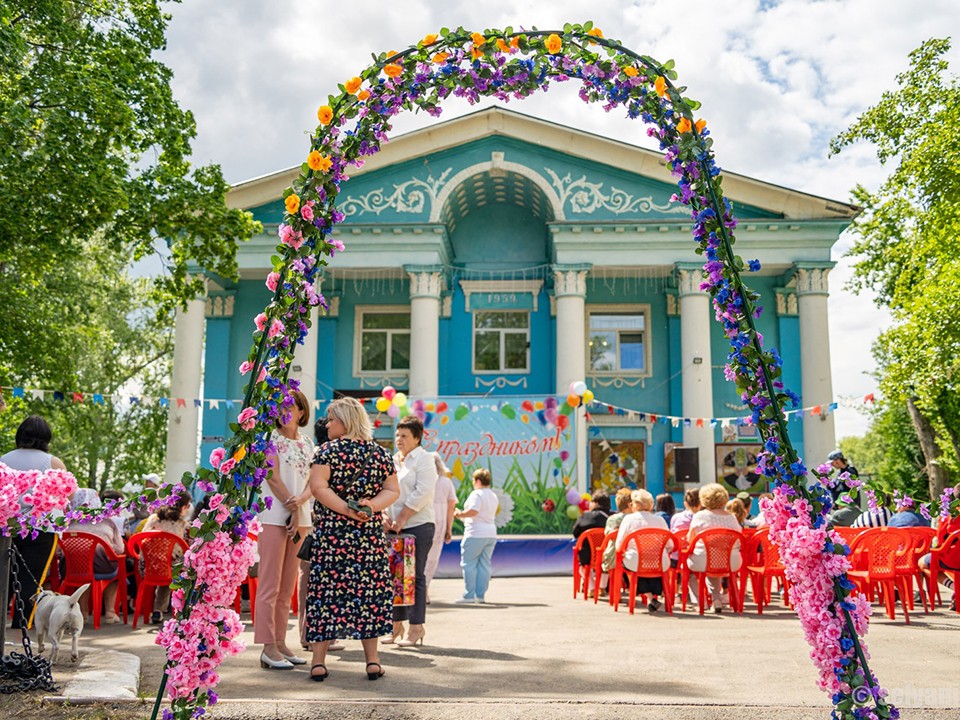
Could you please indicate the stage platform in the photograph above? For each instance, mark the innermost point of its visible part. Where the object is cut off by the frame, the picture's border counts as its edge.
(517, 556)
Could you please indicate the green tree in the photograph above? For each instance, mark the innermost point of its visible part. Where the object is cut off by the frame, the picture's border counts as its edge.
(109, 341)
(91, 138)
(906, 251)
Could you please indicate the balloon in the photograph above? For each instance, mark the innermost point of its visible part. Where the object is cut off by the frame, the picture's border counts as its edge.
(584, 505)
(573, 512)
(417, 405)
(427, 419)
(579, 387)
(564, 455)
(585, 496)
(588, 397)
(525, 418)
(442, 407)
(573, 497)
(571, 388)
(403, 411)
(565, 409)
(573, 400)
(388, 392)
(445, 419)
(393, 411)
(399, 399)
(508, 412)
(538, 405)
(429, 407)
(420, 414)
(542, 417)
(527, 405)
(550, 402)
(563, 422)
(382, 404)
(461, 412)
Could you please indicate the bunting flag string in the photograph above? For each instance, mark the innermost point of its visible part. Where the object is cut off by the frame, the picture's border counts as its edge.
(596, 407)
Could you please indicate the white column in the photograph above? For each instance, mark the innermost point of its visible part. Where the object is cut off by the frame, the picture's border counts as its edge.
(819, 435)
(305, 363)
(569, 291)
(426, 285)
(183, 422)
(696, 370)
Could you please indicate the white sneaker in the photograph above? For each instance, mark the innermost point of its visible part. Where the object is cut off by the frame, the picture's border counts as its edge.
(465, 600)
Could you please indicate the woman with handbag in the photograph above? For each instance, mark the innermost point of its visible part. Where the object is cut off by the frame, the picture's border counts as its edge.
(413, 514)
(350, 591)
(285, 521)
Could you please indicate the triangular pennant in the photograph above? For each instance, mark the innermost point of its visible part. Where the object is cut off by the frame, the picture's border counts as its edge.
(37, 394)
(97, 399)
(77, 397)
(18, 392)
(164, 402)
(181, 403)
(213, 404)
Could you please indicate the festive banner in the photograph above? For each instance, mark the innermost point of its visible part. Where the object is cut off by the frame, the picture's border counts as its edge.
(527, 444)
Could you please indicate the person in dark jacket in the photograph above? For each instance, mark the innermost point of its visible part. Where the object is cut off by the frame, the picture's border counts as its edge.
(595, 517)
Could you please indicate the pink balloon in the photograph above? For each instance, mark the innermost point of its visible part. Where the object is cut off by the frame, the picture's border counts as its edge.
(393, 411)
(388, 392)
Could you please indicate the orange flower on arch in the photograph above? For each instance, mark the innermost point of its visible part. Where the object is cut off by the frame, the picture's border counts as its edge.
(553, 43)
(684, 126)
(594, 32)
(325, 114)
(430, 39)
(660, 85)
(240, 454)
(700, 125)
(352, 85)
(478, 39)
(502, 46)
(393, 69)
(363, 95)
(630, 71)
(292, 203)
(440, 57)
(318, 162)
(476, 53)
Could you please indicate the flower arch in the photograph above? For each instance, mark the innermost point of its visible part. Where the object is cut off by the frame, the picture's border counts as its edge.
(505, 64)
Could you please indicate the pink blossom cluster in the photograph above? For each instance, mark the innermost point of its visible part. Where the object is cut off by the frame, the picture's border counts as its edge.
(51, 491)
(13, 484)
(220, 564)
(811, 573)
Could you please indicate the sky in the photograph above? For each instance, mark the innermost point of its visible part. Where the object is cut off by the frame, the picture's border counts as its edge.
(777, 81)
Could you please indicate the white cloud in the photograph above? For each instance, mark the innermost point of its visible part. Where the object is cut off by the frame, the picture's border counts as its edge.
(777, 80)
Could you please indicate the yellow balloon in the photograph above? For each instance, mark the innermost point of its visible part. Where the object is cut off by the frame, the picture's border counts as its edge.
(525, 418)
(585, 496)
(588, 397)
(444, 420)
(399, 400)
(538, 404)
(430, 407)
(382, 404)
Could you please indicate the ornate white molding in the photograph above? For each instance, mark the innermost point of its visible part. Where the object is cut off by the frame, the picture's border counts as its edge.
(411, 196)
(446, 306)
(500, 383)
(689, 281)
(219, 306)
(569, 282)
(553, 305)
(426, 283)
(501, 287)
(786, 303)
(673, 305)
(374, 382)
(333, 306)
(617, 382)
(812, 281)
(586, 197)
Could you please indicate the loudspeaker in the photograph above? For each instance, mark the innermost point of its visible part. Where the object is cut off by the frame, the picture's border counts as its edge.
(686, 461)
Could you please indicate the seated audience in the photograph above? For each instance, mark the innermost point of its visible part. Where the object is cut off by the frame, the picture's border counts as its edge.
(595, 517)
(643, 517)
(713, 498)
(169, 519)
(691, 504)
(735, 506)
(666, 508)
(624, 507)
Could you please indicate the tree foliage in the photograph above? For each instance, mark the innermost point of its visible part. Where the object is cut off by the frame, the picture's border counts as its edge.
(906, 252)
(92, 138)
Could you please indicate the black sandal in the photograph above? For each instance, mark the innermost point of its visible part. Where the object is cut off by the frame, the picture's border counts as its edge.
(374, 675)
(319, 678)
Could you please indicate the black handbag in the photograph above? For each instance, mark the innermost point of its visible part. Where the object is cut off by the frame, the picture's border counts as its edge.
(306, 547)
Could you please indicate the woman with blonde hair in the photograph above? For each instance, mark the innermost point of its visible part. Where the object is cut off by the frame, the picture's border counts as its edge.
(713, 498)
(285, 522)
(350, 592)
(643, 517)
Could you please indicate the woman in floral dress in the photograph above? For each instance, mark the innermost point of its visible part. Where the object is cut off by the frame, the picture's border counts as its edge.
(350, 593)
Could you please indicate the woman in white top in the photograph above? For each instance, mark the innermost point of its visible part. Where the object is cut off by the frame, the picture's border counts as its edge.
(33, 453)
(444, 503)
(643, 517)
(713, 498)
(412, 514)
(285, 524)
(479, 537)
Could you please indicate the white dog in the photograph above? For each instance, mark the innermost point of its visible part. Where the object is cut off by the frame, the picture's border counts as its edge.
(58, 613)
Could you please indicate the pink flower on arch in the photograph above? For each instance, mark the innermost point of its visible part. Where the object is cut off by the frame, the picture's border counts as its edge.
(227, 466)
(273, 279)
(276, 327)
(306, 211)
(247, 417)
(291, 237)
(245, 367)
(260, 321)
(216, 457)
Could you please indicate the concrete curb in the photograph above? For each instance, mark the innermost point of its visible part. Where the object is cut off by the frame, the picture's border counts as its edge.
(106, 676)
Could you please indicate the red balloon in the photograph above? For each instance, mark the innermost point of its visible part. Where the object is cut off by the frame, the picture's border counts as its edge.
(442, 407)
(563, 422)
(527, 405)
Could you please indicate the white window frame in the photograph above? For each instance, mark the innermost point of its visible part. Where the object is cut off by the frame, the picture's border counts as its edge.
(358, 314)
(634, 309)
(503, 332)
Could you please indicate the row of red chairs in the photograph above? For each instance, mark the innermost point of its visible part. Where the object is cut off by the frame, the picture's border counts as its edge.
(884, 560)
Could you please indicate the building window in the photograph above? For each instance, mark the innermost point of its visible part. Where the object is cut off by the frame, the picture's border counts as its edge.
(383, 340)
(501, 341)
(618, 340)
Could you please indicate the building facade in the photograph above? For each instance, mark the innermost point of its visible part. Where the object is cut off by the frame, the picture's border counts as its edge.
(497, 255)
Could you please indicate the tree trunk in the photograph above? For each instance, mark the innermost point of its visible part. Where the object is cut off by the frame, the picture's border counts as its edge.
(937, 475)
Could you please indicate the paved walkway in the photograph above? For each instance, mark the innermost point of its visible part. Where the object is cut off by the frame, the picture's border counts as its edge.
(533, 651)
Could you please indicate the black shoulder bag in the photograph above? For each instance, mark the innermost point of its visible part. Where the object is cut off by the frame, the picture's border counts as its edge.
(304, 553)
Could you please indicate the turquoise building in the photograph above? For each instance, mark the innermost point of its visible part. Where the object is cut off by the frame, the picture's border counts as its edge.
(501, 256)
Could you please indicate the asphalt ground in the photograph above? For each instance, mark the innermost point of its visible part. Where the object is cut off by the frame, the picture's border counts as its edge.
(534, 652)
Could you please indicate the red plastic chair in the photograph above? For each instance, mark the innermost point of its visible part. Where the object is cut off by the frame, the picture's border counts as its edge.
(765, 567)
(908, 562)
(609, 539)
(581, 573)
(156, 550)
(750, 554)
(878, 548)
(650, 543)
(849, 534)
(251, 584)
(933, 588)
(719, 544)
(78, 551)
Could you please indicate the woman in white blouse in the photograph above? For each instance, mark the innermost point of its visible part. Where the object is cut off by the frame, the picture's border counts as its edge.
(412, 514)
(643, 517)
(713, 498)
